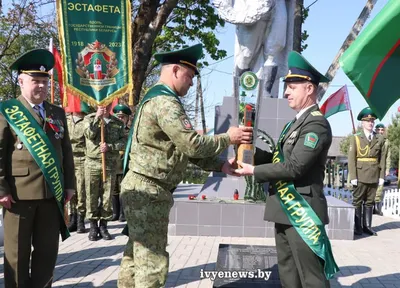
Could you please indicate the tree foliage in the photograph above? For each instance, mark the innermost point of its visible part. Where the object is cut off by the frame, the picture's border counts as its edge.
(393, 134)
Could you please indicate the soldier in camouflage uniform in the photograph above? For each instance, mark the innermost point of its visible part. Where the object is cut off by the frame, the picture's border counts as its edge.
(366, 170)
(122, 112)
(77, 205)
(380, 129)
(162, 143)
(97, 191)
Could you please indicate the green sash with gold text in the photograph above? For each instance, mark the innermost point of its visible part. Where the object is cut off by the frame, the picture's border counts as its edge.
(302, 216)
(41, 149)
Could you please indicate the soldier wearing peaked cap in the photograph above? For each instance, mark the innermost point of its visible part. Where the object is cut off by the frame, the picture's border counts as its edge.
(366, 164)
(161, 142)
(295, 172)
(122, 112)
(36, 175)
(381, 129)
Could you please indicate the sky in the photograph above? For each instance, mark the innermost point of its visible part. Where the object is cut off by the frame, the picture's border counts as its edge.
(328, 25)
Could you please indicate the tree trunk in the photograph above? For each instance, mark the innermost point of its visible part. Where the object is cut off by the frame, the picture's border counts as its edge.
(200, 94)
(145, 28)
(350, 38)
(297, 26)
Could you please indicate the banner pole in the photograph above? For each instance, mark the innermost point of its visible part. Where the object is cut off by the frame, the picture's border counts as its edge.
(103, 155)
(352, 121)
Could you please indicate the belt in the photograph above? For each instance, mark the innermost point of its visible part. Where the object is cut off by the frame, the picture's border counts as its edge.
(367, 159)
(151, 181)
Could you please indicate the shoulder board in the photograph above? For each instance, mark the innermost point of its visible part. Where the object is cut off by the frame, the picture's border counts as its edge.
(358, 133)
(316, 113)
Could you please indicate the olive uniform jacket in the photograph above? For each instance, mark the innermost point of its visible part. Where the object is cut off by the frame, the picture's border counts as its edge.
(305, 149)
(20, 176)
(366, 161)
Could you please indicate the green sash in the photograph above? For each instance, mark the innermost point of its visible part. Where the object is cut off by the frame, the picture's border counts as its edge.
(41, 149)
(156, 90)
(302, 216)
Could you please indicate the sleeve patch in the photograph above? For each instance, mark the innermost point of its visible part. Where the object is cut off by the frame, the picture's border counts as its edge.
(185, 122)
(311, 140)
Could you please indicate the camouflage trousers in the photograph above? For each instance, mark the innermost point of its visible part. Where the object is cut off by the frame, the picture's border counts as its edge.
(77, 204)
(98, 193)
(379, 194)
(145, 261)
(117, 187)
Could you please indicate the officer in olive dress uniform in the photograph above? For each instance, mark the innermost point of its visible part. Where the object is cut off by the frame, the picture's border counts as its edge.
(122, 112)
(381, 129)
(34, 143)
(305, 147)
(161, 144)
(366, 170)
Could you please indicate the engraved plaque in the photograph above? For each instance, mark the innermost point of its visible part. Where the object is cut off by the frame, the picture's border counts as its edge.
(246, 266)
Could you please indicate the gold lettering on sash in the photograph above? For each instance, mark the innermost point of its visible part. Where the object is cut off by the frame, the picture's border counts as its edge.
(289, 197)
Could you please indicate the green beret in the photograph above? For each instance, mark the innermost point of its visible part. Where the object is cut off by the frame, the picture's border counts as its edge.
(301, 70)
(122, 109)
(186, 56)
(366, 114)
(380, 125)
(36, 63)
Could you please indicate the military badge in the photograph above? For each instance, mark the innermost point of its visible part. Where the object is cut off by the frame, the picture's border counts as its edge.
(311, 140)
(185, 122)
(292, 137)
(57, 126)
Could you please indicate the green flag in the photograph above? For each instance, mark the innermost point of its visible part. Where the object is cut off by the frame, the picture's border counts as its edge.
(372, 62)
(96, 48)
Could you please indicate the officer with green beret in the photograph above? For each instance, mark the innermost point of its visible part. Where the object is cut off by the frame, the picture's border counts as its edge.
(295, 172)
(366, 162)
(122, 112)
(381, 129)
(160, 146)
(35, 156)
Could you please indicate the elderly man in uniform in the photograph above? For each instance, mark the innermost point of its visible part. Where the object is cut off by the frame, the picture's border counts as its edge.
(296, 172)
(97, 190)
(366, 161)
(380, 129)
(77, 205)
(160, 146)
(36, 175)
(122, 112)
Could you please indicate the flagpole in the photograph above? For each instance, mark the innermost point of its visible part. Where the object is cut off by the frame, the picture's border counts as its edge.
(352, 121)
(52, 88)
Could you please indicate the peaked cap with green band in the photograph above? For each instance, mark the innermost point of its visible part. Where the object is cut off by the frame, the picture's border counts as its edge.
(122, 109)
(36, 63)
(380, 125)
(186, 56)
(301, 70)
(366, 114)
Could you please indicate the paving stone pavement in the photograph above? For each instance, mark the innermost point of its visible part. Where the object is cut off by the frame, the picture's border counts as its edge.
(364, 262)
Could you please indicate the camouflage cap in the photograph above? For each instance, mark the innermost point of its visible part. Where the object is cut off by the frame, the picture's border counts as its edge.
(36, 63)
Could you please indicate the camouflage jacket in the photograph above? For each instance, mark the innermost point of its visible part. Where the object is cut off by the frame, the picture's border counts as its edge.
(77, 137)
(114, 136)
(164, 141)
(120, 160)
